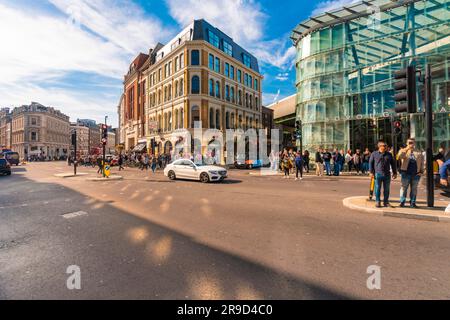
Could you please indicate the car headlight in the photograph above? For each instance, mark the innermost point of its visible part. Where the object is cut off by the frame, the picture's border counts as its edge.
(213, 172)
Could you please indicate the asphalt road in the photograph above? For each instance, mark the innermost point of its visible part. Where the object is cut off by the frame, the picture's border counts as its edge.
(251, 237)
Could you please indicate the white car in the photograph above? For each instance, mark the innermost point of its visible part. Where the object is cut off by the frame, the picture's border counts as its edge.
(186, 169)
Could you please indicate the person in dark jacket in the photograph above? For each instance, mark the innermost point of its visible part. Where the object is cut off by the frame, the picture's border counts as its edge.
(306, 160)
(380, 164)
(298, 165)
(327, 161)
(319, 163)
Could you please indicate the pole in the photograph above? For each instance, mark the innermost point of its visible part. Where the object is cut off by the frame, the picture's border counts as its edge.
(75, 154)
(429, 137)
(104, 151)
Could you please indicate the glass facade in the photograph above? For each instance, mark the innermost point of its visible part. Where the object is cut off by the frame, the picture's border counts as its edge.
(345, 75)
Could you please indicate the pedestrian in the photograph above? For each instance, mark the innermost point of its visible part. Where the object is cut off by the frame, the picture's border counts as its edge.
(145, 162)
(319, 163)
(285, 164)
(327, 161)
(100, 164)
(120, 162)
(338, 159)
(444, 167)
(298, 165)
(306, 160)
(349, 160)
(380, 164)
(291, 160)
(357, 161)
(154, 163)
(411, 169)
(365, 161)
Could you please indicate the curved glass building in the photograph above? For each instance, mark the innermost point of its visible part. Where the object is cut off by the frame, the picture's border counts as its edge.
(345, 65)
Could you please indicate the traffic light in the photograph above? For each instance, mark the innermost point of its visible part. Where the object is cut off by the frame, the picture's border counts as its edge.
(74, 138)
(104, 134)
(398, 128)
(298, 129)
(405, 90)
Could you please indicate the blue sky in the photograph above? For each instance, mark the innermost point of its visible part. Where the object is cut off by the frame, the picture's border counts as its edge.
(72, 54)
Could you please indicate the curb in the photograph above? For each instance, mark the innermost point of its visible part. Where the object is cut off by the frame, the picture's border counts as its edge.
(395, 214)
(70, 175)
(112, 178)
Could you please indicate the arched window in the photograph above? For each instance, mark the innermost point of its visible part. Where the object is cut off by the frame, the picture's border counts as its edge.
(227, 92)
(160, 124)
(169, 89)
(169, 121)
(176, 89)
(232, 94)
(240, 122)
(176, 119)
(181, 124)
(165, 94)
(211, 87)
(256, 103)
(246, 100)
(195, 57)
(195, 115)
(165, 122)
(195, 85)
(217, 89)
(250, 101)
(233, 122)
(227, 120)
(240, 97)
(181, 87)
(218, 119)
(211, 118)
(159, 96)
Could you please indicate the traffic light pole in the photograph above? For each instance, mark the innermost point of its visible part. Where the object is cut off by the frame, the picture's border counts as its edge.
(104, 152)
(75, 153)
(429, 137)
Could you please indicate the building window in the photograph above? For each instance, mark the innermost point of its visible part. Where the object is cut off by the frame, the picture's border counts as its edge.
(232, 94)
(211, 118)
(217, 119)
(227, 69)
(247, 60)
(256, 84)
(177, 64)
(240, 97)
(33, 136)
(250, 81)
(33, 121)
(227, 48)
(211, 62)
(227, 92)
(181, 87)
(256, 103)
(246, 79)
(195, 115)
(239, 76)
(195, 58)
(227, 120)
(211, 87)
(170, 68)
(218, 89)
(195, 85)
(217, 65)
(182, 60)
(213, 39)
(232, 72)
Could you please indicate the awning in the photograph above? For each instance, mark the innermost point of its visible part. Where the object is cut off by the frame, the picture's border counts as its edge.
(139, 147)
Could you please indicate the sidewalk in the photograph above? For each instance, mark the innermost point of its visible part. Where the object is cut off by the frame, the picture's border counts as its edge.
(436, 214)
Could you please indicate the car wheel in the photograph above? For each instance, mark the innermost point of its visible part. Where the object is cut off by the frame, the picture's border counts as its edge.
(171, 175)
(204, 177)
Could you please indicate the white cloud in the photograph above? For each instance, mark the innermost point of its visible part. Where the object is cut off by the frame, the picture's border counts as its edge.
(282, 76)
(270, 98)
(38, 49)
(330, 5)
(243, 20)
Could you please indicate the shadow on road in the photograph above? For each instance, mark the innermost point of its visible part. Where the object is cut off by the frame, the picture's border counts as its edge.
(123, 256)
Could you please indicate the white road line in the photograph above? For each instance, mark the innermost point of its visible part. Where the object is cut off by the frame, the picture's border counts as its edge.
(74, 214)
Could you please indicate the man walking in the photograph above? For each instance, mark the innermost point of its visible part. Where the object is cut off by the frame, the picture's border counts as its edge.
(319, 163)
(298, 165)
(412, 168)
(380, 164)
(120, 162)
(327, 160)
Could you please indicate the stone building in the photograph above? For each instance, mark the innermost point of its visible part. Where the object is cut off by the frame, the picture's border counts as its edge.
(40, 131)
(200, 75)
(5, 128)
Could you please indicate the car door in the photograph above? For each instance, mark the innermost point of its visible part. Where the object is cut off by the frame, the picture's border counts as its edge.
(189, 170)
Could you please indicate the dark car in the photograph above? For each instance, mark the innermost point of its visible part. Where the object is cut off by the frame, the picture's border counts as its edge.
(5, 167)
(12, 157)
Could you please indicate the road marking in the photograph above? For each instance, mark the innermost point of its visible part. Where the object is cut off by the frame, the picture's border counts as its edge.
(74, 214)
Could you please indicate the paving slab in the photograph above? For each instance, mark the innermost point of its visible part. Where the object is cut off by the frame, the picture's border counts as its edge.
(436, 214)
